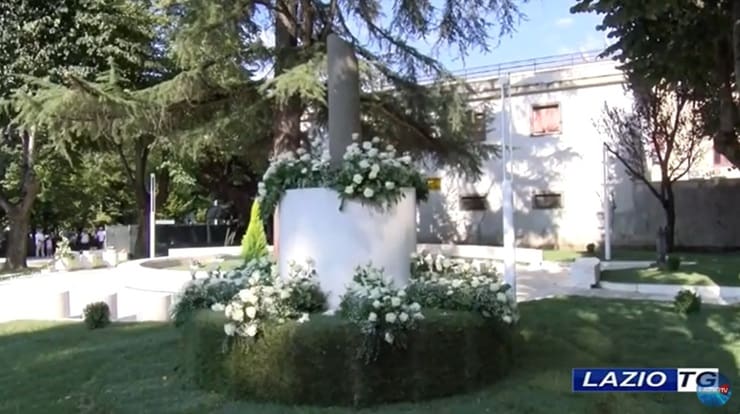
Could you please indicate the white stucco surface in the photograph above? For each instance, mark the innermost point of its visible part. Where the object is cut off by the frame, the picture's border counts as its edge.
(313, 227)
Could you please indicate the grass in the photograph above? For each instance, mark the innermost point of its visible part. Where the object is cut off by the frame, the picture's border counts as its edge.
(695, 269)
(619, 254)
(133, 368)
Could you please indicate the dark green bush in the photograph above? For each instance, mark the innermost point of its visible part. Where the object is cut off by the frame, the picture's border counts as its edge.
(687, 302)
(97, 315)
(318, 362)
(673, 263)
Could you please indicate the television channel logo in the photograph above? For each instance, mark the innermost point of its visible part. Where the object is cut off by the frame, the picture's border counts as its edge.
(711, 387)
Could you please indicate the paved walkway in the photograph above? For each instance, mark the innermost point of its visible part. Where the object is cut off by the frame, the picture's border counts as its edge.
(139, 288)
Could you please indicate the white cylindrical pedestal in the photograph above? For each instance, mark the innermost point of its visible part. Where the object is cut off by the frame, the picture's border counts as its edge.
(112, 302)
(312, 227)
(61, 305)
(156, 309)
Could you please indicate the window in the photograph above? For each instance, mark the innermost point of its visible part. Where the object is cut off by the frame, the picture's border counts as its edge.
(545, 119)
(547, 201)
(479, 125)
(720, 160)
(473, 202)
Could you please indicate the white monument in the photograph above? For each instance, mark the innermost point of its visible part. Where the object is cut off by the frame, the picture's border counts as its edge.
(311, 223)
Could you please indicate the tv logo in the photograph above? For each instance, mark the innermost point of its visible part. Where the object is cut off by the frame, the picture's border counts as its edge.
(646, 379)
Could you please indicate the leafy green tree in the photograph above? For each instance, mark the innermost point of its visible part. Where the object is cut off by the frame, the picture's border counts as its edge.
(217, 48)
(49, 39)
(254, 242)
(691, 44)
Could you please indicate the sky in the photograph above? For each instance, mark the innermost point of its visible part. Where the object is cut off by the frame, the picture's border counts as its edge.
(549, 29)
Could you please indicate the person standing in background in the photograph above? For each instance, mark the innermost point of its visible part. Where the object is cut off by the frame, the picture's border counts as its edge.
(39, 238)
(100, 236)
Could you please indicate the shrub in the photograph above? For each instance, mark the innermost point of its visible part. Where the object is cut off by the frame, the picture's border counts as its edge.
(202, 294)
(97, 315)
(461, 285)
(687, 301)
(317, 363)
(673, 263)
(591, 249)
(254, 242)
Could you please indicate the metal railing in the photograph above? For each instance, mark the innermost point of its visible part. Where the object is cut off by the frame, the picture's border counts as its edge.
(533, 65)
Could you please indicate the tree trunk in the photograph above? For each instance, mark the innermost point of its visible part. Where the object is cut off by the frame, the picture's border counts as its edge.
(669, 207)
(141, 246)
(17, 249)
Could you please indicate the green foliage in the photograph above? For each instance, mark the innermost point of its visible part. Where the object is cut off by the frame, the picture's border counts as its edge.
(316, 362)
(254, 242)
(673, 263)
(97, 315)
(202, 294)
(687, 302)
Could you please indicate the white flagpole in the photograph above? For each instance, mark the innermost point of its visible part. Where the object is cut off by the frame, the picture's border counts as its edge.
(507, 190)
(152, 215)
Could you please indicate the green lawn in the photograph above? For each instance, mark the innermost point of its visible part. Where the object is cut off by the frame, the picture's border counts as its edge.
(707, 269)
(617, 254)
(63, 368)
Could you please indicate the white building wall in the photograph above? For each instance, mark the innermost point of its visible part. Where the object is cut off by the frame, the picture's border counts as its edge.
(568, 163)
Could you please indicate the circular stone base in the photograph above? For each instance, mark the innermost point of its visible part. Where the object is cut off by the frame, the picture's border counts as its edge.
(319, 363)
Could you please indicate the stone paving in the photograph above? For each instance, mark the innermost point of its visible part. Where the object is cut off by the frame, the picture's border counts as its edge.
(139, 288)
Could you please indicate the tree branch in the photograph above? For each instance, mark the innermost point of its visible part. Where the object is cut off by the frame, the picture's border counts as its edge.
(631, 171)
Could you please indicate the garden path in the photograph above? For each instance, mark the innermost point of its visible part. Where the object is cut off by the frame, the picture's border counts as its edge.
(36, 296)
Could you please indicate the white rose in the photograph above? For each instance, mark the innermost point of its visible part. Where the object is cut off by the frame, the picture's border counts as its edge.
(237, 315)
(251, 312)
(368, 193)
(456, 283)
(403, 317)
(251, 330)
(501, 297)
(406, 159)
(355, 136)
(262, 192)
(300, 151)
(218, 307)
(507, 319)
(367, 145)
(415, 307)
(372, 152)
(377, 304)
(357, 179)
(389, 148)
(390, 185)
(304, 171)
(230, 329)
(372, 317)
(304, 318)
(364, 164)
(373, 174)
(349, 189)
(396, 302)
(419, 316)
(390, 317)
(305, 157)
(284, 294)
(401, 294)
(389, 337)
(376, 140)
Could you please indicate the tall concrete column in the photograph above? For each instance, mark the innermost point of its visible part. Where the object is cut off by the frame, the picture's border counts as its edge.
(344, 96)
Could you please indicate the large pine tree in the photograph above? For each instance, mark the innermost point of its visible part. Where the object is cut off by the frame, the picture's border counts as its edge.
(218, 48)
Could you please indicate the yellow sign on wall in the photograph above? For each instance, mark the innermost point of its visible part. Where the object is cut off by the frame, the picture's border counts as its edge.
(434, 183)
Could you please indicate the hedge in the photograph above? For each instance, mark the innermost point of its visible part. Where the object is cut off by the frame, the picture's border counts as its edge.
(317, 363)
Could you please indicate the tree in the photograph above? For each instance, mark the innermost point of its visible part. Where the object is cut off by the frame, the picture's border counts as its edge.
(661, 129)
(254, 242)
(47, 39)
(689, 42)
(217, 49)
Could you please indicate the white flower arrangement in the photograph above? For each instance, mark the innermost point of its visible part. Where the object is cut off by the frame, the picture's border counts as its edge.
(375, 174)
(305, 168)
(368, 173)
(268, 299)
(381, 310)
(459, 284)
